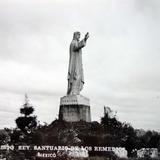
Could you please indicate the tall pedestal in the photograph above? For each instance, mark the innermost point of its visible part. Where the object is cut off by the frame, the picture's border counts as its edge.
(74, 108)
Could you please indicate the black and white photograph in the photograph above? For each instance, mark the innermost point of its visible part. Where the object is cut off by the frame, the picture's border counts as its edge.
(79, 80)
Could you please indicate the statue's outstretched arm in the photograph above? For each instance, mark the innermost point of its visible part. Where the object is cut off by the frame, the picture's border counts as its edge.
(79, 45)
(86, 36)
(82, 43)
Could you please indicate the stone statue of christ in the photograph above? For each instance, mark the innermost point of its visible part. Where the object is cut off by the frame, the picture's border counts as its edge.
(75, 70)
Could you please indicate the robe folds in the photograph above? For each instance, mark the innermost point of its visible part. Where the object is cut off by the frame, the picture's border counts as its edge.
(75, 69)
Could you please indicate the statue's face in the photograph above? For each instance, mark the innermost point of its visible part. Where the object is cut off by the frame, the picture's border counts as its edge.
(78, 36)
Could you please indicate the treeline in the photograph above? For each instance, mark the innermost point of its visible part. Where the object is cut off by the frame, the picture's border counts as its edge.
(108, 132)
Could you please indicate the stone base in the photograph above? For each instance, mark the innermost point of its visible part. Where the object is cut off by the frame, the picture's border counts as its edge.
(74, 108)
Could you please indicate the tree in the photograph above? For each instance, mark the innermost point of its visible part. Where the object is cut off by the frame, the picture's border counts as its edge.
(4, 137)
(122, 134)
(26, 122)
(109, 122)
(151, 139)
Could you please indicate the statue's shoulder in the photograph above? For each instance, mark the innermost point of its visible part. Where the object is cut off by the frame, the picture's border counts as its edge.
(74, 42)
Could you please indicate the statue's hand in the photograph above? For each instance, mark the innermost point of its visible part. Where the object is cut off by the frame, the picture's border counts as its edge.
(86, 36)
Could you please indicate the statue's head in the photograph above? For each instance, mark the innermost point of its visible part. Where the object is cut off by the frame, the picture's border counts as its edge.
(76, 35)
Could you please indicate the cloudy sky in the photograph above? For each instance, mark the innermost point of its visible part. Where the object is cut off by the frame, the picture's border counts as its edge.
(121, 60)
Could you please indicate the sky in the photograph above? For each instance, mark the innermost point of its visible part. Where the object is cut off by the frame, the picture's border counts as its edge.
(120, 61)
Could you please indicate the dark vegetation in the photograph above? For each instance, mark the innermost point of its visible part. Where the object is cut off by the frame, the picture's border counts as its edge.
(109, 132)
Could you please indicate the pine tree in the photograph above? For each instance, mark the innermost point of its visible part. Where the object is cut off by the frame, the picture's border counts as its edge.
(26, 122)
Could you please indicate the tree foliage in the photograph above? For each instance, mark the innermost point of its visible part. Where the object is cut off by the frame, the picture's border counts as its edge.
(26, 122)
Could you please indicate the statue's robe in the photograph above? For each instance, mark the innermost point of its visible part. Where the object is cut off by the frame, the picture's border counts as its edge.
(75, 70)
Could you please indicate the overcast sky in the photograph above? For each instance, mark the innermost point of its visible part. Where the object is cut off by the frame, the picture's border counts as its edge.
(121, 60)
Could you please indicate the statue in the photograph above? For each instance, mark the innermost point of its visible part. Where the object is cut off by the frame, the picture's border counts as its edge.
(73, 106)
(75, 70)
